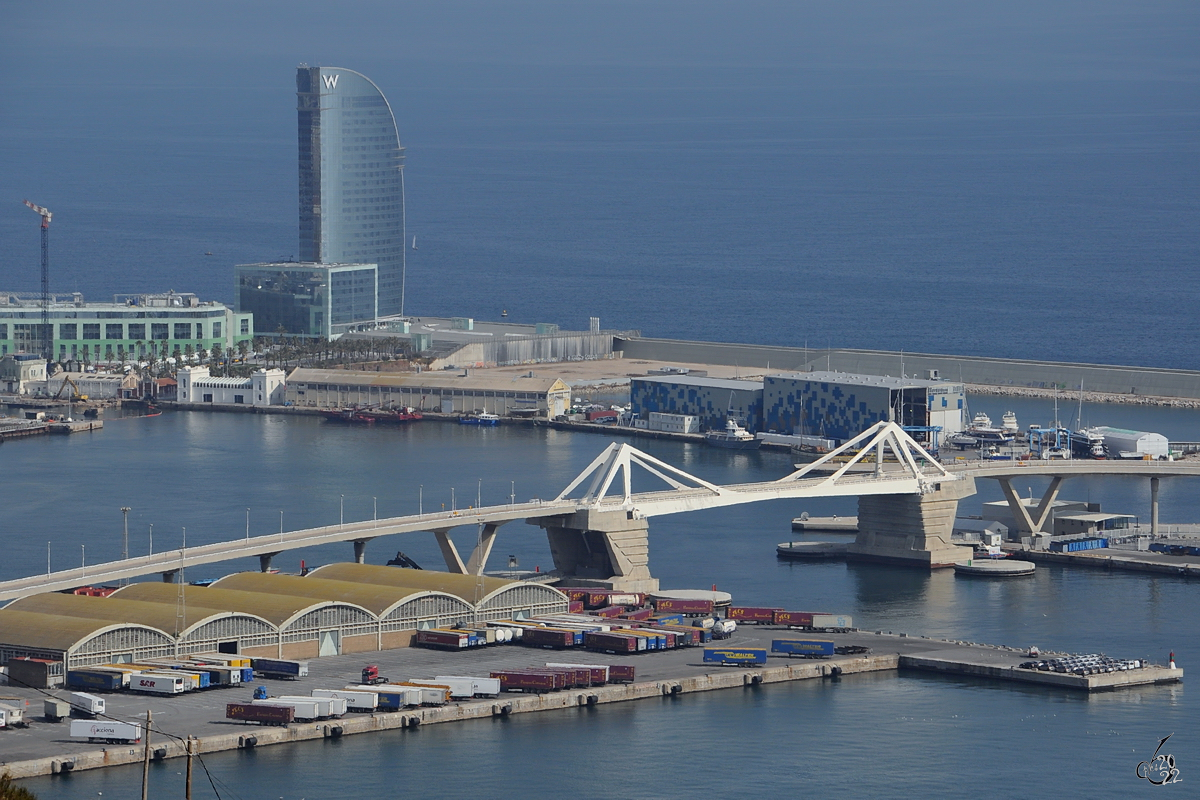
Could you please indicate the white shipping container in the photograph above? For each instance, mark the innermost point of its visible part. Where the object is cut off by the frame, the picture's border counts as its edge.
(479, 686)
(429, 696)
(87, 703)
(832, 621)
(105, 731)
(412, 694)
(326, 706)
(13, 714)
(306, 708)
(158, 683)
(355, 700)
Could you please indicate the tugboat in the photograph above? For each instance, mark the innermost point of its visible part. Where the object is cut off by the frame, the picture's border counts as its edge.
(479, 419)
(734, 437)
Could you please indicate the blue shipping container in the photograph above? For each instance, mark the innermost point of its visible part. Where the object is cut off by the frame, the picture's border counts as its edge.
(745, 656)
(809, 648)
(97, 681)
(247, 674)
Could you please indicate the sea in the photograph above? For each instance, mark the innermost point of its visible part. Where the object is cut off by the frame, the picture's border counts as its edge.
(1018, 181)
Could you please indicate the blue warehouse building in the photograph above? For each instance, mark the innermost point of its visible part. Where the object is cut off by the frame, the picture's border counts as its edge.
(839, 406)
(712, 400)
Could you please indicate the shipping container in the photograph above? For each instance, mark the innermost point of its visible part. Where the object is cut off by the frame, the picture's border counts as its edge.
(432, 694)
(56, 710)
(248, 674)
(641, 613)
(95, 680)
(809, 648)
(356, 700)
(443, 640)
(159, 683)
(525, 681)
(455, 689)
(555, 638)
(262, 714)
(391, 696)
(575, 606)
(86, 704)
(279, 668)
(799, 619)
(14, 712)
(620, 673)
(614, 643)
(575, 593)
(654, 641)
(666, 619)
(742, 656)
(326, 706)
(609, 611)
(668, 605)
(480, 687)
(753, 614)
(598, 673)
(305, 708)
(105, 731)
(832, 621)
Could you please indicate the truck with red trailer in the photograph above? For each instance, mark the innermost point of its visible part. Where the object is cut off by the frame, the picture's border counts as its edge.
(554, 638)
(526, 681)
(262, 714)
(620, 673)
(443, 639)
(761, 616)
(667, 605)
(614, 643)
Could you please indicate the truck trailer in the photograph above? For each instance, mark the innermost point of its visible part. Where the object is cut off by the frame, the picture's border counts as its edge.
(106, 731)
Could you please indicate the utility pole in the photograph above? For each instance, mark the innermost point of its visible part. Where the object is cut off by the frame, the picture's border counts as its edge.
(46, 337)
(187, 784)
(125, 539)
(146, 758)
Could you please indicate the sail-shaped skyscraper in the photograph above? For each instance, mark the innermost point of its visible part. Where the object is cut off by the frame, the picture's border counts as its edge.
(351, 177)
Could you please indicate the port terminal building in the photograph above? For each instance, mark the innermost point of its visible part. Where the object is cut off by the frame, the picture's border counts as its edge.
(831, 405)
(336, 609)
(444, 391)
(132, 325)
(306, 299)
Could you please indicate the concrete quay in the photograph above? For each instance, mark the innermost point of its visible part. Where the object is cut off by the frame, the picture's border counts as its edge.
(1114, 559)
(43, 748)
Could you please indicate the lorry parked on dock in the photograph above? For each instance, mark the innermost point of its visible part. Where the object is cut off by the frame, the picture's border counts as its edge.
(106, 731)
(737, 656)
(159, 683)
(86, 704)
(55, 710)
(392, 697)
(554, 638)
(599, 672)
(444, 639)
(670, 606)
(279, 668)
(95, 680)
(431, 694)
(620, 673)
(262, 714)
(12, 715)
(477, 687)
(356, 699)
(614, 643)
(761, 616)
(326, 706)
(526, 681)
(807, 648)
(306, 709)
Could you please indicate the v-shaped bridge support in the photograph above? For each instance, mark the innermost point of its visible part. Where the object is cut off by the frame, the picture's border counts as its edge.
(875, 442)
(618, 460)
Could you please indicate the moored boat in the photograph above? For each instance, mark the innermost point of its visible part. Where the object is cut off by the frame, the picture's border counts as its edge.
(479, 419)
(734, 437)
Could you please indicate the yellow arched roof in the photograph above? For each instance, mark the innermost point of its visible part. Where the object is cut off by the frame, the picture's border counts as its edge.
(35, 631)
(376, 597)
(466, 587)
(278, 609)
(160, 615)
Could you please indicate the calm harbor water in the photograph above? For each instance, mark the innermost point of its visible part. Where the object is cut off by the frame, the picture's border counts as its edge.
(946, 736)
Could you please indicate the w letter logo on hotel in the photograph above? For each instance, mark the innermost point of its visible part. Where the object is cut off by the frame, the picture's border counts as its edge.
(330, 81)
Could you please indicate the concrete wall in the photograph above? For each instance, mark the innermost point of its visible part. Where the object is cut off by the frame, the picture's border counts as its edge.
(969, 369)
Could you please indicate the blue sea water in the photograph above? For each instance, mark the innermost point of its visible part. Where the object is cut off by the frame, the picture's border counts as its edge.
(1018, 180)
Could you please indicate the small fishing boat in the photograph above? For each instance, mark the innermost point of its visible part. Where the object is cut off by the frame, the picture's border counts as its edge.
(479, 419)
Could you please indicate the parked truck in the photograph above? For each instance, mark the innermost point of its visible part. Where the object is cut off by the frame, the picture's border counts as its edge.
(808, 648)
(305, 709)
(356, 699)
(95, 680)
(159, 683)
(468, 686)
(106, 731)
(525, 681)
(326, 706)
(88, 705)
(55, 710)
(279, 668)
(262, 714)
(738, 656)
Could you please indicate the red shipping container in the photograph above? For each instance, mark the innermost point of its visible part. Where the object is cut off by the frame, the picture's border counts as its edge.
(525, 681)
(267, 715)
(609, 611)
(620, 673)
(801, 619)
(574, 593)
(667, 605)
(753, 614)
(641, 613)
(547, 637)
(575, 607)
(609, 643)
(597, 598)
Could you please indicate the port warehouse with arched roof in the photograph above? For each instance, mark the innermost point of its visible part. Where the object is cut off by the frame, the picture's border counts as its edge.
(339, 608)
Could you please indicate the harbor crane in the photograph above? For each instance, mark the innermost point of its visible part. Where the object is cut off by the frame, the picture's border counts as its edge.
(46, 338)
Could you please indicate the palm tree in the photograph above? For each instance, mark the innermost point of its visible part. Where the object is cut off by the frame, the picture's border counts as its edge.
(10, 791)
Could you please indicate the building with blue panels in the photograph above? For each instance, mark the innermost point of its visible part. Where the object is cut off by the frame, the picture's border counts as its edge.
(710, 399)
(351, 177)
(839, 406)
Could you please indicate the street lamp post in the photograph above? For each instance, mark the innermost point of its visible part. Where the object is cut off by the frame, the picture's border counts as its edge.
(375, 511)
(512, 498)
(421, 500)
(247, 526)
(342, 511)
(125, 539)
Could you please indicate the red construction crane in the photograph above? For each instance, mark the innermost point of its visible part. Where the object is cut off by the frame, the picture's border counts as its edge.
(46, 334)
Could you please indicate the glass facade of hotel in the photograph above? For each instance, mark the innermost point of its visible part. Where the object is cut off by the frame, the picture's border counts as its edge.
(300, 299)
(351, 177)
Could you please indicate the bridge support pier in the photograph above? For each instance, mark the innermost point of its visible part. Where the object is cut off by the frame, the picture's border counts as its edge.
(479, 556)
(169, 577)
(360, 551)
(1026, 524)
(609, 548)
(911, 529)
(264, 561)
(1154, 508)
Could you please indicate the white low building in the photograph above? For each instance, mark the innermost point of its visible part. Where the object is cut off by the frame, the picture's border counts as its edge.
(265, 387)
